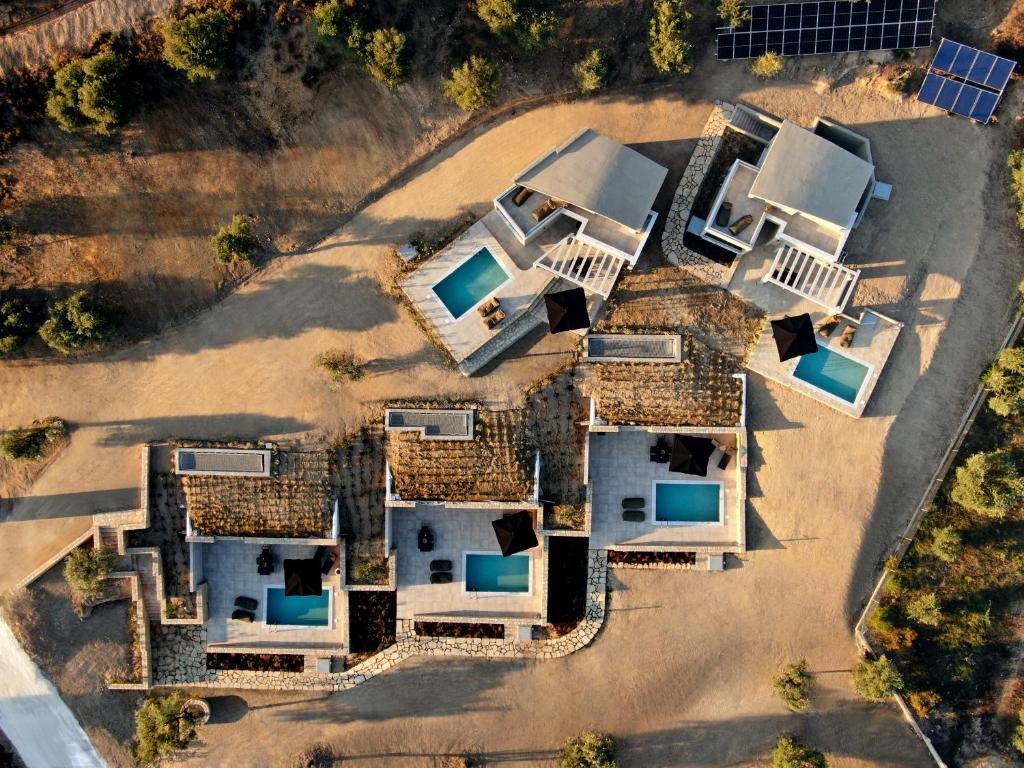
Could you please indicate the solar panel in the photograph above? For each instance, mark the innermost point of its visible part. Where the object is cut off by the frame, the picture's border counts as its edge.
(829, 26)
(966, 81)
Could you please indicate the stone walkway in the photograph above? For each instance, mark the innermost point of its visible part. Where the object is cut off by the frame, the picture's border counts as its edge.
(675, 221)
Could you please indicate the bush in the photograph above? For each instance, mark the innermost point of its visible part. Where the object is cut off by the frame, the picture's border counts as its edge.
(371, 571)
(945, 544)
(592, 71)
(789, 753)
(382, 56)
(91, 93)
(767, 66)
(1005, 381)
(1017, 739)
(15, 324)
(989, 484)
(588, 750)
(236, 240)
(525, 23)
(86, 571)
(733, 12)
(197, 43)
(77, 322)
(925, 609)
(332, 19)
(793, 685)
(923, 702)
(886, 631)
(967, 630)
(31, 444)
(1015, 162)
(877, 680)
(669, 49)
(473, 85)
(162, 726)
(340, 366)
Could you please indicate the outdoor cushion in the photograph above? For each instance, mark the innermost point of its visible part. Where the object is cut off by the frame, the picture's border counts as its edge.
(724, 212)
(240, 615)
(724, 461)
(741, 224)
(633, 515)
(441, 578)
(246, 603)
(633, 502)
(521, 195)
(440, 565)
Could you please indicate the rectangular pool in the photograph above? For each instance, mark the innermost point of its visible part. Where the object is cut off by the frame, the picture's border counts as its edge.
(833, 372)
(491, 572)
(470, 283)
(297, 610)
(688, 502)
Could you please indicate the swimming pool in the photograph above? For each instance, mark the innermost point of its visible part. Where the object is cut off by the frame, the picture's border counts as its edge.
(491, 572)
(298, 610)
(687, 502)
(833, 372)
(470, 283)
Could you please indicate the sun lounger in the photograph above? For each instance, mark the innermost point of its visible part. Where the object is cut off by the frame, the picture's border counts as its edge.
(246, 603)
(633, 515)
(488, 306)
(633, 502)
(829, 325)
(724, 461)
(847, 338)
(492, 320)
(741, 224)
(521, 196)
(440, 565)
(247, 616)
(724, 212)
(443, 577)
(546, 208)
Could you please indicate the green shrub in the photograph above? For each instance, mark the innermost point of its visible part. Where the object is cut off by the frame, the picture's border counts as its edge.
(31, 443)
(925, 609)
(588, 750)
(332, 19)
(91, 93)
(945, 544)
(767, 66)
(885, 629)
(371, 571)
(15, 324)
(967, 630)
(340, 366)
(877, 680)
(198, 43)
(528, 24)
(989, 484)
(86, 571)
(382, 56)
(236, 240)
(162, 726)
(789, 753)
(1005, 381)
(592, 71)
(669, 48)
(733, 12)
(1017, 739)
(793, 684)
(1015, 162)
(473, 85)
(78, 321)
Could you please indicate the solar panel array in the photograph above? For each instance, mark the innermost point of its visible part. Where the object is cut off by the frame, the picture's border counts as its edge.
(966, 81)
(829, 26)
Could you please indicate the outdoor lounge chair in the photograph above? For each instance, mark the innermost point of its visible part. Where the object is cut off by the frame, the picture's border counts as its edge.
(724, 461)
(847, 338)
(830, 324)
(328, 559)
(247, 616)
(246, 603)
(440, 565)
(633, 502)
(741, 224)
(724, 212)
(443, 577)
(488, 306)
(425, 539)
(521, 196)
(546, 208)
(492, 320)
(633, 515)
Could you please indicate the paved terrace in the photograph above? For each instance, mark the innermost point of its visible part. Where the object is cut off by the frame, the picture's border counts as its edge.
(455, 531)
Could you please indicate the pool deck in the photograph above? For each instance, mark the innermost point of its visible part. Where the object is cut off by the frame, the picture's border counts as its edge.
(230, 569)
(619, 466)
(456, 531)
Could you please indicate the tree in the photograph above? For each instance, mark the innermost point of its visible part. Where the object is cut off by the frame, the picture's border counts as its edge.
(793, 685)
(332, 19)
(162, 726)
(15, 324)
(86, 571)
(670, 51)
(925, 609)
(1015, 162)
(989, 484)
(91, 92)
(526, 23)
(733, 12)
(198, 43)
(789, 753)
(592, 71)
(78, 321)
(1005, 382)
(877, 680)
(588, 750)
(383, 56)
(473, 85)
(767, 66)
(236, 240)
(946, 544)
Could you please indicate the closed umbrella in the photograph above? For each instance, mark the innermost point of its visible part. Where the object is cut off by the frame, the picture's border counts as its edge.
(567, 310)
(515, 533)
(794, 336)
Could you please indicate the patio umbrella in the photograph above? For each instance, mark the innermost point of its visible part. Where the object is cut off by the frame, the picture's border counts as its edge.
(515, 533)
(690, 455)
(302, 577)
(794, 336)
(567, 310)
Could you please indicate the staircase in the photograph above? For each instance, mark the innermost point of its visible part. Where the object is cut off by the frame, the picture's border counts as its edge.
(823, 282)
(583, 263)
(146, 566)
(743, 121)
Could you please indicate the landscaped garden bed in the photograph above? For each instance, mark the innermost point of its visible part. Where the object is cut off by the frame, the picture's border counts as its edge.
(359, 484)
(567, 579)
(371, 617)
(615, 557)
(256, 662)
(458, 629)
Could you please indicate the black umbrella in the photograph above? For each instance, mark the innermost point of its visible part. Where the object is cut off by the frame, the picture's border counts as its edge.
(302, 577)
(515, 533)
(794, 336)
(567, 310)
(690, 455)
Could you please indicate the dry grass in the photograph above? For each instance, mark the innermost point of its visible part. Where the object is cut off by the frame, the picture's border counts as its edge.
(16, 477)
(359, 483)
(496, 466)
(556, 413)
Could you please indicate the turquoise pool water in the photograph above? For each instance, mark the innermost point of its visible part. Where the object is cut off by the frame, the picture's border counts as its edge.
(837, 374)
(298, 610)
(687, 502)
(487, 572)
(470, 283)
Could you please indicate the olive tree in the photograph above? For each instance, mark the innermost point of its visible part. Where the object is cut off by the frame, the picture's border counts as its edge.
(1005, 382)
(669, 48)
(197, 43)
(989, 483)
(76, 322)
(530, 25)
(86, 571)
(789, 753)
(792, 684)
(877, 680)
(382, 56)
(91, 93)
(15, 324)
(163, 725)
(236, 240)
(474, 84)
(588, 750)
(592, 71)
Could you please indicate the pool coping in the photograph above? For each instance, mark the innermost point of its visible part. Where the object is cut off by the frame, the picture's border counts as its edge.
(281, 586)
(687, 523)
(482, 594)
(458, 266)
